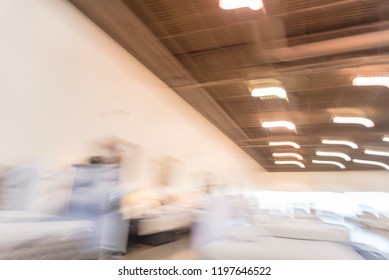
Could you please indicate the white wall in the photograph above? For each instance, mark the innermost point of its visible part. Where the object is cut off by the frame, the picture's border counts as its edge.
(65, 83)
(325, 181)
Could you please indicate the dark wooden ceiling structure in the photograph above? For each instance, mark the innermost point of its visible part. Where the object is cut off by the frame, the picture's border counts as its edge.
(211, 57)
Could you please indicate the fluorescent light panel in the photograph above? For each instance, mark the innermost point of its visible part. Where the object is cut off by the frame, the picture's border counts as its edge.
(371, 163)
(340, 142)
(290, 162)
(354, 120)
(371, 81)
(234, 4)
(269, 91)
(376, 153)
(334, 154)
(329, 162)
(285, 124)
(285, 143)
(288, 155)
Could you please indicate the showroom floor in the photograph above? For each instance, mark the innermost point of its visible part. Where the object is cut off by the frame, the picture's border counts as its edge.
(177, 250)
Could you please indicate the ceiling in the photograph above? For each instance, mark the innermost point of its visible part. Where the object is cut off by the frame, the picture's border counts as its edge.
(212, 58)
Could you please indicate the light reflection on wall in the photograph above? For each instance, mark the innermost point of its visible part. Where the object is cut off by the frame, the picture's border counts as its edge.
(347, 204)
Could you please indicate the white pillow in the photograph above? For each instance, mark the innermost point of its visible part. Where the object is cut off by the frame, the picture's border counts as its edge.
(17, 188)
(53, 192)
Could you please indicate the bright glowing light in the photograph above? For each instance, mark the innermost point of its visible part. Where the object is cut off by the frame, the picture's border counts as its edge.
(269, 91)
(354, 120)
(290, 162)
(333, 154)
(371, 81)
(288, 155)
(236, 4)
(285, 143)
(371, 163)
(376, 153)
(329, 162)
(286, 124)
(340, 142)
(386, 139)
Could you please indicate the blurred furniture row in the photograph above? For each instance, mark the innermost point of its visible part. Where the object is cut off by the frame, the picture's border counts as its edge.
(231, 229)
(61, 213)
(82, 212)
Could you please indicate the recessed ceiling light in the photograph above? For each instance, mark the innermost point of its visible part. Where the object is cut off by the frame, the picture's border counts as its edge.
(234, 4)
(290, 162)
(268, 92)
(340, 142)
(371, 163)
(333, 154)
(285, 143)
(385, 138)
(329, 162)
(354, 120)
(376, 153)
(285, 124)
(371, 81)
(288, 155)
